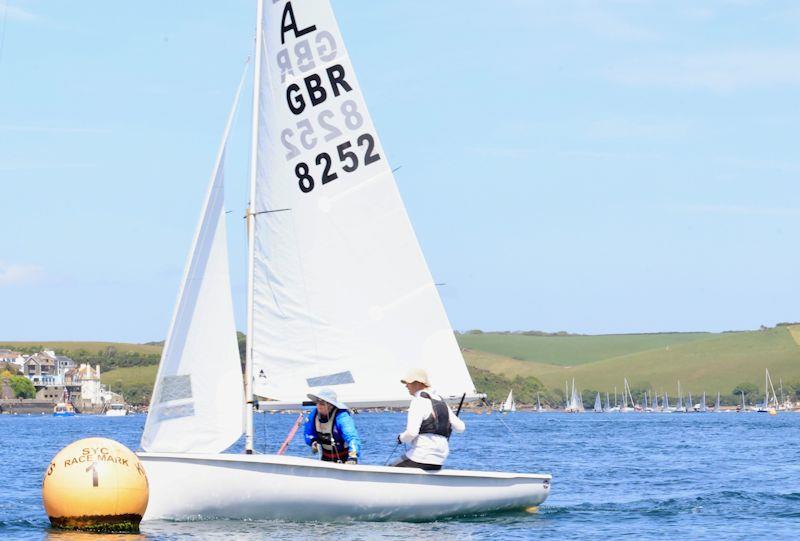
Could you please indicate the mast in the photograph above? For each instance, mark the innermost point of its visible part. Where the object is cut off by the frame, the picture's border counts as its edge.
(251, 235)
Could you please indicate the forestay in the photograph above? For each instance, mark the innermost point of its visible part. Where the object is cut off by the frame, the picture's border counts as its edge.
(342, 296)
(198, 399)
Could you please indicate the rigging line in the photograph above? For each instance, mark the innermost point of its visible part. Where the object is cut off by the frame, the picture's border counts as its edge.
(265, 212)
(500, 418)
(388, 458)
(266, 440)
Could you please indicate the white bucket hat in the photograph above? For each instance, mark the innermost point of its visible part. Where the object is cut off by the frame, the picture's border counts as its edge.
(417, 374)
(329, 396)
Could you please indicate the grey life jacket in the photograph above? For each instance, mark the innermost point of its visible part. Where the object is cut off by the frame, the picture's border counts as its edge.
(438, 422)
(332, 450)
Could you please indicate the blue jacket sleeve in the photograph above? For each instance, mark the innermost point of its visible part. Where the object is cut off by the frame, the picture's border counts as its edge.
(348, 430)
(310, 430)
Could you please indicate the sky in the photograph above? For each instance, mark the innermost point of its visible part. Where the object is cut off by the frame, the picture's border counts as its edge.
(594, 167)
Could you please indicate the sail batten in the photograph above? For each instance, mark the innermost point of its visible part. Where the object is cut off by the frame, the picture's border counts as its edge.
(339, 282)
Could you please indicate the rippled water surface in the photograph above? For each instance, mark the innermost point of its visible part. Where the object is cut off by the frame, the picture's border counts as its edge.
(635, 476)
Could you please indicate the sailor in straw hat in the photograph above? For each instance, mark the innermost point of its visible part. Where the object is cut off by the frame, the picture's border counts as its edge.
(331, 429)
(429, 425)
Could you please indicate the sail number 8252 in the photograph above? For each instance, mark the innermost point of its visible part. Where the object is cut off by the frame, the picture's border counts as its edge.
(348, 160)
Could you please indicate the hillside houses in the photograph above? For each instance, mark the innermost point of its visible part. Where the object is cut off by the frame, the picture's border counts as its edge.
(46, 368)
(12, 357)
(58, 378)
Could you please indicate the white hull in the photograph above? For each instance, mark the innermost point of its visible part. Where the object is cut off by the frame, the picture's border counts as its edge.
(195, 486)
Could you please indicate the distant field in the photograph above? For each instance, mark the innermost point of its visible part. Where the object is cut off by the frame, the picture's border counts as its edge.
(573, 350)
(88, 346)
(133, 375)
(715, 362)
(701, 361)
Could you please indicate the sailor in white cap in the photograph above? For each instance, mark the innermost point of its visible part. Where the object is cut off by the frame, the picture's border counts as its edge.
(331, 428)
(429, 425)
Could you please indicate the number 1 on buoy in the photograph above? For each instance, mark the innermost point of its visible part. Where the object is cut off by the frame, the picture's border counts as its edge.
(93, 467)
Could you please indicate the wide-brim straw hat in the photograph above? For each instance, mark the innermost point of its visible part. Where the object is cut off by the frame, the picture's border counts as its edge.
(329, 396)
(417, 374)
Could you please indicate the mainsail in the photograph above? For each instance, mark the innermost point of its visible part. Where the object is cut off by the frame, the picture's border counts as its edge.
(509, 403)
(341, 295)
(198, 399)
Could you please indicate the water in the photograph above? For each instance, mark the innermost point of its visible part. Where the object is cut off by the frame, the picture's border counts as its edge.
(635, 476)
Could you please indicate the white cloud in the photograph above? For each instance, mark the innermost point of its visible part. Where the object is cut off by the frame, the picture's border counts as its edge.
(12, 274)
(16, 13)
(715, 71)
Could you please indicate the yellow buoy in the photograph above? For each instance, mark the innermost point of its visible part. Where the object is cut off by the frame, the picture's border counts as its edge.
(95, 484)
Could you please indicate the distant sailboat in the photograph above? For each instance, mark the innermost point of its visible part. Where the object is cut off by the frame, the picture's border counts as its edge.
(716, 405)
(703, 403)
(509, 405)
(654, 405)
(575, 404)
(680, 407)
(538, 404)
(770, 400)
(626, 393)
(598, 404)
(608, 404)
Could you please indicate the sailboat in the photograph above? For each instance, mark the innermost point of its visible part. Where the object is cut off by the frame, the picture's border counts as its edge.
(703, 408)
(509, 405)
(770, 401)
(680, 408)
(716, 404)
(666, 407)
(608, 403)
(654, 404)
(626, 393)
(598, 404)
(538, 404)
(575, 404)
(339, 295)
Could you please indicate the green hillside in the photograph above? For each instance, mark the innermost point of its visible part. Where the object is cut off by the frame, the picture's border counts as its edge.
(708, 362)
(703, 362)
(572, 350)
(69, 348)
(134, 382)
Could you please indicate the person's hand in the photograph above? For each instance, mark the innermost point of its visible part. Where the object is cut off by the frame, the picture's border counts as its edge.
(315, 448)
(352, 458)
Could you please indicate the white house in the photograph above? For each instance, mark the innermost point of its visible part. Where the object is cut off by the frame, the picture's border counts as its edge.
(12, 357)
